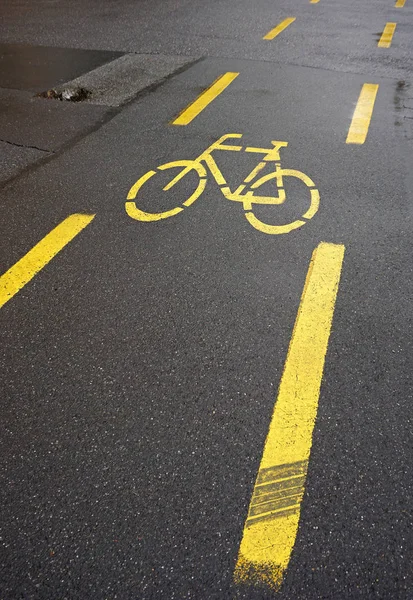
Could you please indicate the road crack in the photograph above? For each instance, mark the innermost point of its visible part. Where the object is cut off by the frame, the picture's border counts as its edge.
(26, 146)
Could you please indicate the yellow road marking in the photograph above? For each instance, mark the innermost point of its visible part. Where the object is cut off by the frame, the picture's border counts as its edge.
(387, 35)
(274, 32)
(314, 1)
(400, 3)
(271, 526)
(26, 268)
(193, 110)
(362, 114)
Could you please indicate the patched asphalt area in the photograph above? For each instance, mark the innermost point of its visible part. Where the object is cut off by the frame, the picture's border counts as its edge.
(75, 94)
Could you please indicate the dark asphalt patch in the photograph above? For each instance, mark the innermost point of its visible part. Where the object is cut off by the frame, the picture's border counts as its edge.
(36, 68)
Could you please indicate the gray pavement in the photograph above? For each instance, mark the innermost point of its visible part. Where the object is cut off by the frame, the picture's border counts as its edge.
(140, 367)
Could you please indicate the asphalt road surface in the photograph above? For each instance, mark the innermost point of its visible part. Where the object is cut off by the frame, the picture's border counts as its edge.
(207, 367)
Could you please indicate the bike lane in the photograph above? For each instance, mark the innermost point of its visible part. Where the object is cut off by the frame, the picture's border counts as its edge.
(142, 382)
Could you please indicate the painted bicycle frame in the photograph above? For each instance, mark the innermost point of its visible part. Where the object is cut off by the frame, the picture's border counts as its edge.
(245, 193)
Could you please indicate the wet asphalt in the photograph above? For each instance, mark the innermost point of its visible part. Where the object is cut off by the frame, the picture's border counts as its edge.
(140, 368)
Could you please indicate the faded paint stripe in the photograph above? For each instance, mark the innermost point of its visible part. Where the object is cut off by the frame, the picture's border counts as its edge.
(270, 530)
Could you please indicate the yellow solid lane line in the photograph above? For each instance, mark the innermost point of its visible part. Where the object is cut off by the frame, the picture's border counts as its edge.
(400, 3)
(362, 114)
(193, 110)
(271, 526)
(26, 268)
(387, 35)
(274, 32)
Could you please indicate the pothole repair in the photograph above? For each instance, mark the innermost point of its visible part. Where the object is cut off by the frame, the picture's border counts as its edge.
(68, 95)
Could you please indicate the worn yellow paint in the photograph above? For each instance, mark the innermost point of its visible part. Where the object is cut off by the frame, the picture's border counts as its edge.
(193, 110)
(387, 35)
(314, 1)
(362, 114)
(27, 267)
(400, 3)
(255, 172)
(277, 30)
(272, 522)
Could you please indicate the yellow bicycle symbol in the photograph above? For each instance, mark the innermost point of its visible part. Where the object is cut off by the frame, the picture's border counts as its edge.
(245, 193)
